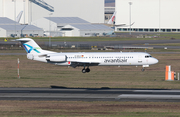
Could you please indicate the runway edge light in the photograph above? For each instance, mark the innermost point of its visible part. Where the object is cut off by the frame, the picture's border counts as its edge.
(18, 68)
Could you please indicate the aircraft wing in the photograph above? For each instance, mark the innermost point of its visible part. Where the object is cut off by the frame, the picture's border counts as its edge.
(120, 25)
(124, 24)
(74, 64)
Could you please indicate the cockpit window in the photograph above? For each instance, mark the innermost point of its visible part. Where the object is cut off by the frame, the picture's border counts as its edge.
(148, 56)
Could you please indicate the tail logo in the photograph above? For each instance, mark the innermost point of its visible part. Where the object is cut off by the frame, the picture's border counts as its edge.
(113, 18)
(31, 48)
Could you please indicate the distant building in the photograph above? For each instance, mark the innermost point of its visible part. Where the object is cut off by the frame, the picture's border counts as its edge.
(70, 26)
(86, 30)
(89, 10)
(108, 12)
(148, 15)
(10, 28)
(56, 23)
(7, 21)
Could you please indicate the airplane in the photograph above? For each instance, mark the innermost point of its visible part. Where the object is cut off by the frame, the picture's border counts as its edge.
(111, 21)
(86, 59)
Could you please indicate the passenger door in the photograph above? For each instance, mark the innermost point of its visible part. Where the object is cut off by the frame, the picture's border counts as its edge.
(140, 59)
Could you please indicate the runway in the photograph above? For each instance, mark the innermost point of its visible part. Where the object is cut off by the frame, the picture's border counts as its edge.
(89, 94)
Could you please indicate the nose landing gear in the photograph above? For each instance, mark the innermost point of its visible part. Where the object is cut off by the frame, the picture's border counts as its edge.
(143, 69)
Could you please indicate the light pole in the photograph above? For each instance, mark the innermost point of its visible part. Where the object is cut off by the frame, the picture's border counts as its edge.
(159, 15)
(14, 16)
(130, 3)
(24, 10)
(50, 29)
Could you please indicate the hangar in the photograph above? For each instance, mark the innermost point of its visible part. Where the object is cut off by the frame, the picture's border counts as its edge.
(89, 10)
(70, 26)
(56, 23)
(86, 30)
(148, 15)
(10, 28)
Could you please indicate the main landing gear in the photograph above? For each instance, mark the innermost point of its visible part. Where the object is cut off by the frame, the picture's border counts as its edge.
(143, 69)
(85, 70)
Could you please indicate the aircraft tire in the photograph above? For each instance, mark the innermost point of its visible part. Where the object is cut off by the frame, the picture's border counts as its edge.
(83, 70)
(87, 70)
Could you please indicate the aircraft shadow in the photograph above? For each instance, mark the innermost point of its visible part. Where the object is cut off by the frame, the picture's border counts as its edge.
(104, 88)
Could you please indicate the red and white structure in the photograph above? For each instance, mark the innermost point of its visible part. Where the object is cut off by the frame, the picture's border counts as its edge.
(169, 75)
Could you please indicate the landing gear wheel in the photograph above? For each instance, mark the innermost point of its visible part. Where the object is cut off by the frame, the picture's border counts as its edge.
(83, 70)
(87, 70)
(142, 69)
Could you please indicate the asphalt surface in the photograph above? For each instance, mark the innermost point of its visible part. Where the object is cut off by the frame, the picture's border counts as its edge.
(95, 94)
(89, 94)
(135, 43)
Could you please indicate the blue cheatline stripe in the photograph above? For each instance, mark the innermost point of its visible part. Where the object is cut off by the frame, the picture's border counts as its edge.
(31, 48)
(25, 48)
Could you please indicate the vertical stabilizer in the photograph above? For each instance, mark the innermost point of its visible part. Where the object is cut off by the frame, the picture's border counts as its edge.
(30, 45)
(112, 18)
(19, 17)
(32, 48)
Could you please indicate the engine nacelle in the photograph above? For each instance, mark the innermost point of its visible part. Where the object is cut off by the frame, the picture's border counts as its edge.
(56, 58)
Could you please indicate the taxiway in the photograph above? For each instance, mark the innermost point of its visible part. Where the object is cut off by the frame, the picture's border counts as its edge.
(89, 94)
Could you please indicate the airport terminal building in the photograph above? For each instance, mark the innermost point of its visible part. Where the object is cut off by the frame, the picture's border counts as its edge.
(148, 15)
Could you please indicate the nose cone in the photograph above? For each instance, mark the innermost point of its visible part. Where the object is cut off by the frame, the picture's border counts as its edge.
(155, 61)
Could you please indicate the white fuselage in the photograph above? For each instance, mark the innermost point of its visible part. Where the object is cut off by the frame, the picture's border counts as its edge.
(103, 58)
(86, 59)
